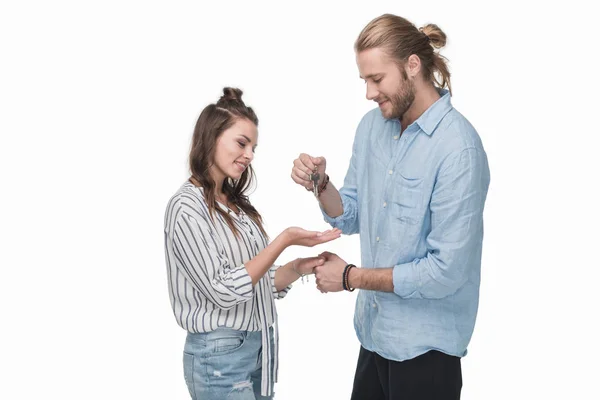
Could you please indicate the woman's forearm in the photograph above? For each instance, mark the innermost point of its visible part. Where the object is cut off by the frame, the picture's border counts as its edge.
(264, 260)
(286, 275)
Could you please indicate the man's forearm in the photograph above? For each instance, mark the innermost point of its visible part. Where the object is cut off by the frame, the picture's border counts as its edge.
(331, 201)
(380, 279)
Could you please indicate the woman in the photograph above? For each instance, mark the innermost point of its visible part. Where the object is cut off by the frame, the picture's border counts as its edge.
(222, 281)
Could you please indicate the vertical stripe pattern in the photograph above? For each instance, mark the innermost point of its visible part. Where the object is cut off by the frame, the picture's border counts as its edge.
(209, 286)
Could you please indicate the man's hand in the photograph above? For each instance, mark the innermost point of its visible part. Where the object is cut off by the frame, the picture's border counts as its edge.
(305, 165)
(329, 275)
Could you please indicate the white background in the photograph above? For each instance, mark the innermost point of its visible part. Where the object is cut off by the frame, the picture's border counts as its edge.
(98, 101)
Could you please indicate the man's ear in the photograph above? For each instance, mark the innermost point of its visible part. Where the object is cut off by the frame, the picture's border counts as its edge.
(413, 65)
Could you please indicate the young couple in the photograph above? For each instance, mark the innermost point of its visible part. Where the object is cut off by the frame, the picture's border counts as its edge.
(414, 191)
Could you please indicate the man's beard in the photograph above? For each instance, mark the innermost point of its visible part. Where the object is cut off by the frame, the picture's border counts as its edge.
(402, 101)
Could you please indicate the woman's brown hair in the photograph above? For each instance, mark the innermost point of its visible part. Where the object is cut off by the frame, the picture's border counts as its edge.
(213, 121)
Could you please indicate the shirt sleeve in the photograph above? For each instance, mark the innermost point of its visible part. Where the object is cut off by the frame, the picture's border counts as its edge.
(207, 268)
(455, 241)
(277, 294)
(348, 222)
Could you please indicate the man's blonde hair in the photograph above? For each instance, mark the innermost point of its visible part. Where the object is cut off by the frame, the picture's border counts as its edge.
(399, 38)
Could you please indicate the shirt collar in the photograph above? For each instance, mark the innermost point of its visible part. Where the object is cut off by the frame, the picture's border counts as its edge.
(431, 118)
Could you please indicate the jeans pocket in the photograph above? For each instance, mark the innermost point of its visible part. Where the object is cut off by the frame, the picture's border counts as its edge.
(188, 373)
(227, 341)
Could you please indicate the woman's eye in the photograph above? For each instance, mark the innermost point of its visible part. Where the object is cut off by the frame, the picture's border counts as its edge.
(242, 144)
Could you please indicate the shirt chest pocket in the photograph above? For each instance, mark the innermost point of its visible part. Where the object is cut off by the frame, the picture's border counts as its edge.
(407, 199)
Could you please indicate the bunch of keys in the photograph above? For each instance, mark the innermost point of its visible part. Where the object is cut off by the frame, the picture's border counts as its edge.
(314, 177)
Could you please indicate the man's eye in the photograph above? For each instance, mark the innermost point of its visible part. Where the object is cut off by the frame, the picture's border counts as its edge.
(377, 80)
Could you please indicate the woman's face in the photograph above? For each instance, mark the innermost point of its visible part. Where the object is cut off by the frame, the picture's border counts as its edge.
(234, 150)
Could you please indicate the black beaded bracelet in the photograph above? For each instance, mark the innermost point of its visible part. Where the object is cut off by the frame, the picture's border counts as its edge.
(345, 277)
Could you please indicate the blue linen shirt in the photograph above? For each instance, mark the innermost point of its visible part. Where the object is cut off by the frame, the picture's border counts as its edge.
(417, 200)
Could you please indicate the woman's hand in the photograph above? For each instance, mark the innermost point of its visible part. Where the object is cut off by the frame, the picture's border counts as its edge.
(301, 237)
(306, 266)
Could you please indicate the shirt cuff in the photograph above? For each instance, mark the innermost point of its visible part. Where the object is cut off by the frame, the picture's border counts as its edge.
(283, 292)
(238, 282)
(407, 280)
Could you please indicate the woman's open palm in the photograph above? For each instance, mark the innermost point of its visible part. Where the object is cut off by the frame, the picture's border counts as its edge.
(301, 237)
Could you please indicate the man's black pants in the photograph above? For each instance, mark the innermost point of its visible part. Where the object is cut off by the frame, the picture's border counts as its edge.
(433, 375)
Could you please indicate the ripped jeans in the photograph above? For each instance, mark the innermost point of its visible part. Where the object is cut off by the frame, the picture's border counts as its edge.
(224, 364)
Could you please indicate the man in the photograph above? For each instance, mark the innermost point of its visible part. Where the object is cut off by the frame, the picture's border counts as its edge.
(415, 192)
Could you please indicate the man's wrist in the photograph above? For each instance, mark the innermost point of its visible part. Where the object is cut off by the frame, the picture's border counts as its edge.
(322, 185)
(354, 275)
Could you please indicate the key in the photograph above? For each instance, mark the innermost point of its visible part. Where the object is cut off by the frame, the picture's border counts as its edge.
(314, 177)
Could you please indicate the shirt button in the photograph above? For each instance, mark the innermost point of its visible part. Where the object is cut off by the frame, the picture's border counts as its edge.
(396, 137)
(390, 172)
(374, 305)
(377, 238)
(384, 204)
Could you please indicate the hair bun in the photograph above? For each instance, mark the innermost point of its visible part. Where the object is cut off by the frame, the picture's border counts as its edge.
(436, 36)
(230, 93)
